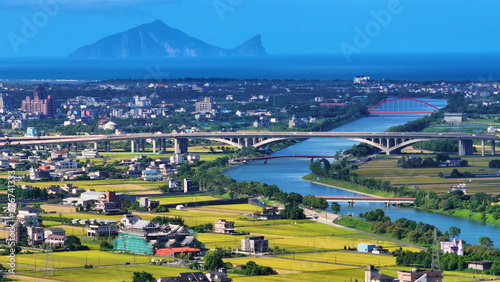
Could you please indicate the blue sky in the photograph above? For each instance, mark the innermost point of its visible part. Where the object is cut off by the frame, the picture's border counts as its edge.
(31, 29)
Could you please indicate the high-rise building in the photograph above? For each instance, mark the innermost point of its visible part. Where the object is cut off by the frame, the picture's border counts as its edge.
(5, 102)
(40, 103)
(204, 106)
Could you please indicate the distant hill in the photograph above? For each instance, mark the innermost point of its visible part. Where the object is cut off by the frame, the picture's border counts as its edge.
(158, 40)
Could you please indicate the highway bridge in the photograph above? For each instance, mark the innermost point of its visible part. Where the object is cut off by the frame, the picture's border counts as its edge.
(386, 200)
(388, 142)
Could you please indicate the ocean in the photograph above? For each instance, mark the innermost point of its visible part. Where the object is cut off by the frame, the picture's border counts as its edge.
(420, 67)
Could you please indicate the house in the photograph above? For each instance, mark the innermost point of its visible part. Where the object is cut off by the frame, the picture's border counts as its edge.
(295, 122)
(55, 237)
(128, 220)
(177, 159)
(106, 207)
(224, 227)
(460, 187)
(26, 210)
(174, 183)
(65, 164)
(36, 235)
(38, 174)
(68, 187)
(98, 174)
(219, 276)
(255, 244)
(453, 162)
(30, 219)
(89, 154)
(417, 274)
(91, 195)
(480, 264)
(133, 171)
(366, 247)
(54, 231)
(453, 118)
(150, 174)
(372, 274)
(56, 240)
(145, 202)
(95, 230)
(453, 247)
(179, 250)
(58, 155)
(179, 207)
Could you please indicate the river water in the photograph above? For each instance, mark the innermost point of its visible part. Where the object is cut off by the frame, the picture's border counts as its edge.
(287, 174)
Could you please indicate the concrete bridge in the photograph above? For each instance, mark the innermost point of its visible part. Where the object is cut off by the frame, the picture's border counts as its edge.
(388, 142)
(386, 200)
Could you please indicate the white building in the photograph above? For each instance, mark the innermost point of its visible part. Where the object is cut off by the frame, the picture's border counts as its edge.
(65, 164)
(89, 154)
(453, 118)
(187, 185)
(151, 174)
(28, 217)
(177, 159)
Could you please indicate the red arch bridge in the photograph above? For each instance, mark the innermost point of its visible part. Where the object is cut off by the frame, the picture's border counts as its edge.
(403, 106)
(386, 200)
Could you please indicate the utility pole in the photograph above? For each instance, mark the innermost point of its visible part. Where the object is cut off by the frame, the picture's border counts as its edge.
(435, 264)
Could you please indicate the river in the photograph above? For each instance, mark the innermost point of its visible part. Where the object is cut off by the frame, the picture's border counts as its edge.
(287, 174)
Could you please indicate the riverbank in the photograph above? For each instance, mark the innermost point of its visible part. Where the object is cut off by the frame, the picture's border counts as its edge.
(459, 213)
(346, 186)
(474, 216)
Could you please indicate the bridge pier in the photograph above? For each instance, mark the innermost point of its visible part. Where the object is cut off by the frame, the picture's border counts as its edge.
(132, 146)
(107, 146)
(143, 144)
(265, 161)
(387, 204)
(492, 147)
(482, 148)
(154, 146)
(164, 149)
(465, 147)
(351, 203)
(180, 145)
(95, 145)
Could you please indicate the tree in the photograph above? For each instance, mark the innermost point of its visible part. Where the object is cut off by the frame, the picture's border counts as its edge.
(73, 242)
(143, 277)
(212, 261)
(442, 157)
(486, 241)
(335, 207)
(454, 231)
(292, 211)
(455, 173)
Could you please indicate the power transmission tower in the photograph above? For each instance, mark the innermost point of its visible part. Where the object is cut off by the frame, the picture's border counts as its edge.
(435, 264)
(49, 261)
